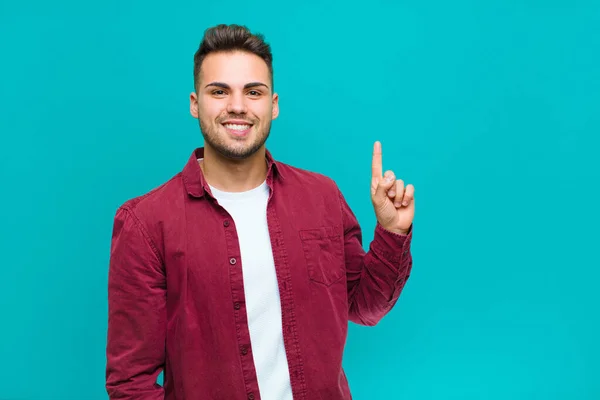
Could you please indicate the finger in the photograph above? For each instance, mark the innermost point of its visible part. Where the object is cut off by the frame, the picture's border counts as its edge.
(409, 195)
(374, 184)
(376, 164)
(384, 185)
(399, 193)
(392, 192)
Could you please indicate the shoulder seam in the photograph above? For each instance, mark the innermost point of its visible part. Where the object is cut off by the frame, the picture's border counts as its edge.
(157, 189)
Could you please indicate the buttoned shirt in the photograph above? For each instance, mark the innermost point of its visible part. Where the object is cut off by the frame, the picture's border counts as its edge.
(176, 290)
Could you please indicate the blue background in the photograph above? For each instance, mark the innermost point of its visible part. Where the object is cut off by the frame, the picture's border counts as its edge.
(491, 109)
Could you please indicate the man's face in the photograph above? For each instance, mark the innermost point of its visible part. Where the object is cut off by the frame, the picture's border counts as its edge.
(234, 103)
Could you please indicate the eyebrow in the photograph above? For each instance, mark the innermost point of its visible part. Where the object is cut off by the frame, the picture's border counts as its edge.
(246, 86)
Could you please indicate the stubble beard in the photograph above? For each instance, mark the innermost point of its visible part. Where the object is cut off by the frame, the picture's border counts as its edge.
(242, 150)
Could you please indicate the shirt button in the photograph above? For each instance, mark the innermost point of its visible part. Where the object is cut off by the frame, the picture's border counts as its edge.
(226, 223)
(405, 252)
(244, 350)
(236, 306)
(232, 261)
(251, 396)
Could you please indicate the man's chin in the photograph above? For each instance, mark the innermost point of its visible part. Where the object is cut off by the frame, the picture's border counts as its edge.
(238, 153)
(235, 148)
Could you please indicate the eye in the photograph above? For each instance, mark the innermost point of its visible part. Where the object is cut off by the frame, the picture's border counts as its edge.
(254, 93)
(218, 92)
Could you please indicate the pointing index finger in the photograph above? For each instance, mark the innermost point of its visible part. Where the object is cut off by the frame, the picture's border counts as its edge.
(377, 166)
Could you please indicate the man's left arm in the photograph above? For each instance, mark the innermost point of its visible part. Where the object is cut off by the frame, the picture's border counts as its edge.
(376, 278)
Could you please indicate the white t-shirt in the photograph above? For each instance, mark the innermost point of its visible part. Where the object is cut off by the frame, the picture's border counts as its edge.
(263, 306)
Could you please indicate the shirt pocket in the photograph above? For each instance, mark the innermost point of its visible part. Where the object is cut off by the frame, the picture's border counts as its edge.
(324, 252)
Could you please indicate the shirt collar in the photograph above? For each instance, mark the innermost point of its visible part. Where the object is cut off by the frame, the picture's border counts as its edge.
(196, 185)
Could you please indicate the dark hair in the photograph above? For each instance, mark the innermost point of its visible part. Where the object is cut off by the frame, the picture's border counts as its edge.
(225, 38)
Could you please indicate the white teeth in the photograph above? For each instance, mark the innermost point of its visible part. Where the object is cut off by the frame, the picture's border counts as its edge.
(237, 127)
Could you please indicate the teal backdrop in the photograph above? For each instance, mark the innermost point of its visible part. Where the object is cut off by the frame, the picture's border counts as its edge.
(491, 109)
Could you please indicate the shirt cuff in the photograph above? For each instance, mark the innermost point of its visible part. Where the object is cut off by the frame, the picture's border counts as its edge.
(393, 245)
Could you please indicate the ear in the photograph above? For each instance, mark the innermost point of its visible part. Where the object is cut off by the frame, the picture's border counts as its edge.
(275, 112)
(194, 104)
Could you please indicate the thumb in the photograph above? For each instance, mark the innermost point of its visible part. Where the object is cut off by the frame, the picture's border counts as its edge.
(385, 184)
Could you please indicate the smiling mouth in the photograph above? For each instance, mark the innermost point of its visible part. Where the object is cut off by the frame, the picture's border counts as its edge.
(238, 130)
(237, 127)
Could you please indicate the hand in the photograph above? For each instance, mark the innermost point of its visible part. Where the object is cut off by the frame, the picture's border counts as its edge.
(394, 203)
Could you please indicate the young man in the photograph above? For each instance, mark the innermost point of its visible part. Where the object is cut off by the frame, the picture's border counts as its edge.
(239, 275)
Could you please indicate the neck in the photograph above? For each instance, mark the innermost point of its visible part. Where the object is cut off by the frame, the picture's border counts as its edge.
(230, 175)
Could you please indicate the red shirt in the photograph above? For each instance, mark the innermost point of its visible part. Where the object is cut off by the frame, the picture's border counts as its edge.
(176, 293)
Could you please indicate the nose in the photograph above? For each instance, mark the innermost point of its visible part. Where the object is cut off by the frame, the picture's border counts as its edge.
(236, 104)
